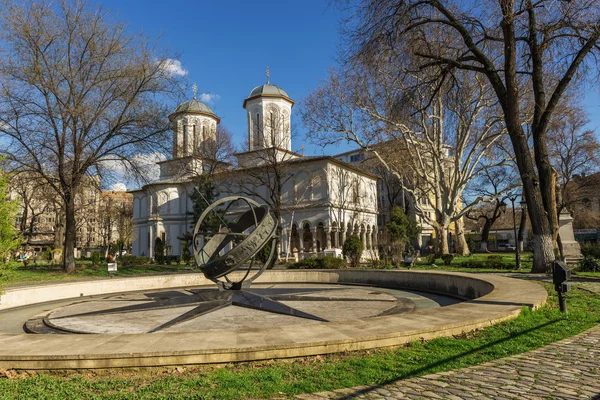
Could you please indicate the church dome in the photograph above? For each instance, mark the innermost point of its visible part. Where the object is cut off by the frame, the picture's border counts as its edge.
(194, 107)
(268, 89)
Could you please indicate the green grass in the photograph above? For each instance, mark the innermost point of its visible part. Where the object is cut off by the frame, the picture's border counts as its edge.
(15, 273)
(285, 378)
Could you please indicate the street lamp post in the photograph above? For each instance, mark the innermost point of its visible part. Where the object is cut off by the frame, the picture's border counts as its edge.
(512, 199)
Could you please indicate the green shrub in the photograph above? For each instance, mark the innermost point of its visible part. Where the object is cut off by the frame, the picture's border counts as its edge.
(447, 258)
(186, 256)
(327, 262)
(49, 255)
(307, 263)
(159, 251)
(495, 257)
(263, 255)
(331, 262)
(591, 250)
(430, 260)
(589, 264)
(352, 249)
(95, 258)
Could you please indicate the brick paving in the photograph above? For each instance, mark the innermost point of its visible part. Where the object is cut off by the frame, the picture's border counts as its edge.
(568, 369)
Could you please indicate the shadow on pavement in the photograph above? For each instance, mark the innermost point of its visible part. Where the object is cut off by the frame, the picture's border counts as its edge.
(426, 368)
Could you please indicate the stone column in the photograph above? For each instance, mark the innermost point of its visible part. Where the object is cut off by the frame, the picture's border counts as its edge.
(151, 244)
(283, 242)
(314, 239)
(363, 238)
(336, 237)
(328, 238)
(375, 239)
(300, 241)
(343, 235)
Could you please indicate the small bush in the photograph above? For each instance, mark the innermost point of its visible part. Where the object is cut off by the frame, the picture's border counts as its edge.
(307, 263)
(327, 262)
(186, 255)
(591, 250)
(589, 264)
(352, 249)
(48, 255)
(330, 262)
(430, 260)
(495, 257)
(95, 258)
(447, 258)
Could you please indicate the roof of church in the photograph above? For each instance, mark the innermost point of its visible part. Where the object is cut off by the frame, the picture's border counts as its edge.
(193, 105)
(268, 90)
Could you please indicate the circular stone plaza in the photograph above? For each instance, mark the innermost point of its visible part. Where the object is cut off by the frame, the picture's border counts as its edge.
(182, 319)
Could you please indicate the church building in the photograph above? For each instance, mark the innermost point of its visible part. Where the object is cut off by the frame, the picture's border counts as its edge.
(322, 200)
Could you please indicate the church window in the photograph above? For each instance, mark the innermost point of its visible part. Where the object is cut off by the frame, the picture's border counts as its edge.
(273, 129)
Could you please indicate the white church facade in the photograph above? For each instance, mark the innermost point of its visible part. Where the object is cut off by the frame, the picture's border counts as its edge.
(323, 200)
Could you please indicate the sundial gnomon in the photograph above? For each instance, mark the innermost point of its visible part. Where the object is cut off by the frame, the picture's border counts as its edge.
(239, 230)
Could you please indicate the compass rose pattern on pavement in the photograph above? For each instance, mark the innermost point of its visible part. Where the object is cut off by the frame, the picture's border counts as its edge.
(206, 301)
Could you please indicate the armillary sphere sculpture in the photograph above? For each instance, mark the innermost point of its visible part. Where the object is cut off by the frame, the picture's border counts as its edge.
(221, 249)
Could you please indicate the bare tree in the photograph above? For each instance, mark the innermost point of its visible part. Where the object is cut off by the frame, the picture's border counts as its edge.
(573, 150)
(265, 172)
(531, 53)
(77, 90)
(491, 183)
(445, 140)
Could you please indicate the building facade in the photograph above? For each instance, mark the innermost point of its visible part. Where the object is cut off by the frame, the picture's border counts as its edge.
(321, 200)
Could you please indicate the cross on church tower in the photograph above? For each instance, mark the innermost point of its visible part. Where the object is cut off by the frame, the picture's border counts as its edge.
(195, 90)
(268, 73)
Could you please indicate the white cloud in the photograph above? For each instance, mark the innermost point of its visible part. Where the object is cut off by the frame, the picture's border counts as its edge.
(208, 98)
(119, 187)
(174, 67)
(144, 163)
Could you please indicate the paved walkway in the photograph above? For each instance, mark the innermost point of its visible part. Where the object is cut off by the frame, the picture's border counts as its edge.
(569, 369)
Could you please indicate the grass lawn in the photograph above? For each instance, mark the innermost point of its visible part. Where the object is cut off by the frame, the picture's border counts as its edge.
(15, 273)
(285, 378)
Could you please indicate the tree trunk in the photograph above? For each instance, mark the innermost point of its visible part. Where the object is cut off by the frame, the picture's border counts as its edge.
(443, 241)
(69, 245)
(520, 237)
(543, 252)
(462, 247)
(485, 234)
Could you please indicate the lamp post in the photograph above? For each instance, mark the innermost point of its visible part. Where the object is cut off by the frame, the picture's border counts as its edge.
(523, 219)
(512, 199)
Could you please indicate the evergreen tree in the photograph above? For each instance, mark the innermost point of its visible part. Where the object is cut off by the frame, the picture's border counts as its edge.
(205, 193)
(9, 239)
(159, 251)
(401, 231)
(352, 249)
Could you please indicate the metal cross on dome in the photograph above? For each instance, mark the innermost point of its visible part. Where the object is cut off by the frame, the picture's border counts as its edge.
(268, 73)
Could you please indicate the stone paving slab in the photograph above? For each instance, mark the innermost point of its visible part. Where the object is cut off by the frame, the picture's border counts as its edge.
(494, 299)
(568, 369)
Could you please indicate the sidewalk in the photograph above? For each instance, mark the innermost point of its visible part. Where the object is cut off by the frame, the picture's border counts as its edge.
(568, 369)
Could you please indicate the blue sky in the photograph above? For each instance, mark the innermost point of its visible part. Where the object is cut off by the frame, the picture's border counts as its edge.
(226, 45)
